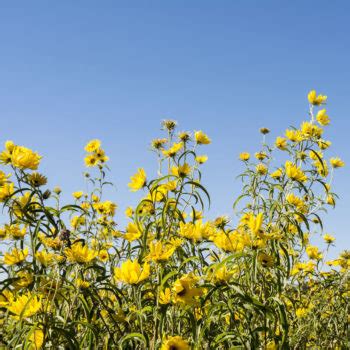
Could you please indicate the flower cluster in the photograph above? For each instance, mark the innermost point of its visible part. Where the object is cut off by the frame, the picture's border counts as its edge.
(96, 155)
(168, 277)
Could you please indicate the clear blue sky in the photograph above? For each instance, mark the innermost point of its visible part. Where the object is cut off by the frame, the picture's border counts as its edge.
(75, 70)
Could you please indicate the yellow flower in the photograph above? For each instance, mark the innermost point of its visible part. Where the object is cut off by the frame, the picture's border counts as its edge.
(159, 252)
(277, 174)
(105, 208)
(184, 136)
(3, 178)
(303, 267)
(5, 157)
(57, 190)
(158, 143)
(221, 221)
(175, 343)
(309, 130)
(191, 231)
(103, 255)
(21, 202)
(147, 208)
(176, 242)
(101, 156)
(95, 198)
(37, 180)
(336, 262)
(322, 167)
(82, 283)
(132, 232)
(184, 289)
(77, 221)
(6, 297)
(295, 173)
(316, 100)
(15, 256)
(221, 274)
(244, 156)
(3, 233)
(201, 138)
(255, 243)
(85, 205)
(6, 191)
(336, 162)
(265, 260)
(315, 155)
(24, 306)
(46, 258)
(103, 159)
(165, 296)
(93, 145)
(231, 242)
(255, 223)
(79, 253)
(281, 143)
(157, 193)
(138, 180)
(322, 117)
(37, 339)
(330, 200)
(324, 144)
(129, 212)
(77, 194)
(15, 231)
(297, 202)
(169, 124)
(130, 272)
(181, 170)
(198, 215)
(328, 238)
(260, 155)
(100, 153)
(91, 160)
(294, 135)
(201, 159)
(25, 158)
(54, 243)
(301, 312)
(313, 253)
(172, 151)
(25, 278)
(261, 169)
(9, 146)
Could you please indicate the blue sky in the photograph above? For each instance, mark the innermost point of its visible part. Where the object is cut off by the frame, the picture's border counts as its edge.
(75, 70)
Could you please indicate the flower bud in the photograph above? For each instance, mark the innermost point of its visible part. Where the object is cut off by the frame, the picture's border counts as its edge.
(47, 194)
